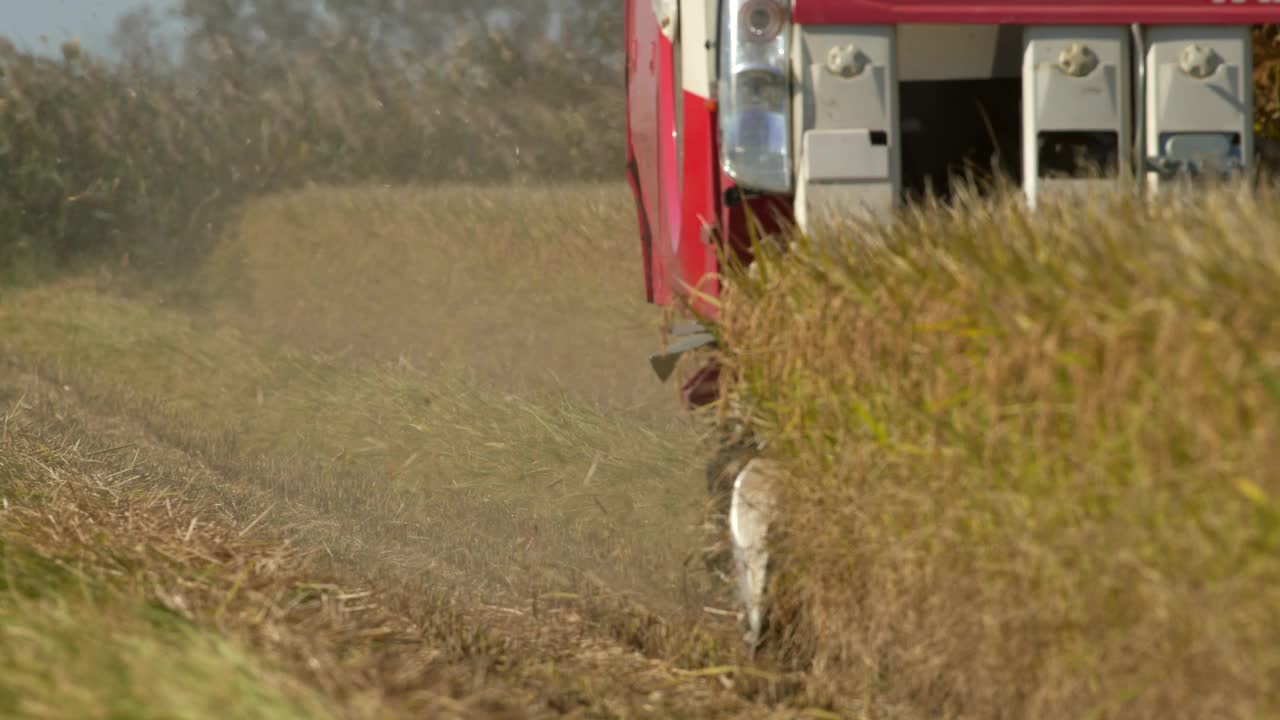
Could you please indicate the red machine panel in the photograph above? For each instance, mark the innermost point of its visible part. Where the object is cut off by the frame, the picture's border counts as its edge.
(651, 142)
(675, 191)
(1037, 12)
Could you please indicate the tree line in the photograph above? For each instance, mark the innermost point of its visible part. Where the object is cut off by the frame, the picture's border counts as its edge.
(148, 154)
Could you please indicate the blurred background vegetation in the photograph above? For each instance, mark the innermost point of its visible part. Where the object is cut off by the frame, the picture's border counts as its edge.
(1266, 45)
(142, 157)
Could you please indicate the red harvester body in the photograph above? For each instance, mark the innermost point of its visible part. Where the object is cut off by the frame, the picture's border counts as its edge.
(942, 59)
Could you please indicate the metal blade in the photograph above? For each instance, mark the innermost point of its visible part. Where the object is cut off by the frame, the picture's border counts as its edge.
(664, 363)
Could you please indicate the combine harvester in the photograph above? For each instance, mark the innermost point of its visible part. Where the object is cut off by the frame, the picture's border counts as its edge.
(792, 111)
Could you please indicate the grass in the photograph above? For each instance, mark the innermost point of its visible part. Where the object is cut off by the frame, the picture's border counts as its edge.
(67, 658)
(139, 587)
(95, 626)
(102, 512)
(1031, 458)
(387, 443)
(506, 282)
(492, 478)
(545, 533)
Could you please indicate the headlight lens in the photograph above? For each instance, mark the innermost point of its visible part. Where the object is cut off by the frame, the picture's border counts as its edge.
(755, 93)
(762, 20)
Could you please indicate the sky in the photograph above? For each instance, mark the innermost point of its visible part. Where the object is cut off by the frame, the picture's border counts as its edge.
(89, 21)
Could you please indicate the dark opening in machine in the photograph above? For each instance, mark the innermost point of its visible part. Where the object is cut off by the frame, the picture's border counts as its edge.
(959, 131)
(1078, 154)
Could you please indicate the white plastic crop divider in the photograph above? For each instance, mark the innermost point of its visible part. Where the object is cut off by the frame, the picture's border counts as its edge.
(845, 115)
(1199, 96)
(1074, 79)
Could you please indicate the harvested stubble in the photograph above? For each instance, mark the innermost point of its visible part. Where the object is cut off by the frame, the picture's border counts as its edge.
(576, 521)
(385, 448)
(136, 584)
(1032, 457)
(119, 599)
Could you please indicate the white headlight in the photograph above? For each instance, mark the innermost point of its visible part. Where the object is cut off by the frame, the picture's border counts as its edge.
(755, 93)
(762, 20)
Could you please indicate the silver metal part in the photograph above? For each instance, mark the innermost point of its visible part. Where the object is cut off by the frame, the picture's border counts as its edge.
(1076, 93)
(664, 363)
(846, 61)
(750, 514)
(1209, 151)
(685, 329)
(845, 122)
(1138, 36)
(1198, 101)
(1078, 60)
(957, 52)
(1199, 61)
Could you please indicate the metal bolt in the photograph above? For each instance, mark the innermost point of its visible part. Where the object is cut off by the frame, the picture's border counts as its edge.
(847, 61)
(1078, 60)
(1199, 61)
